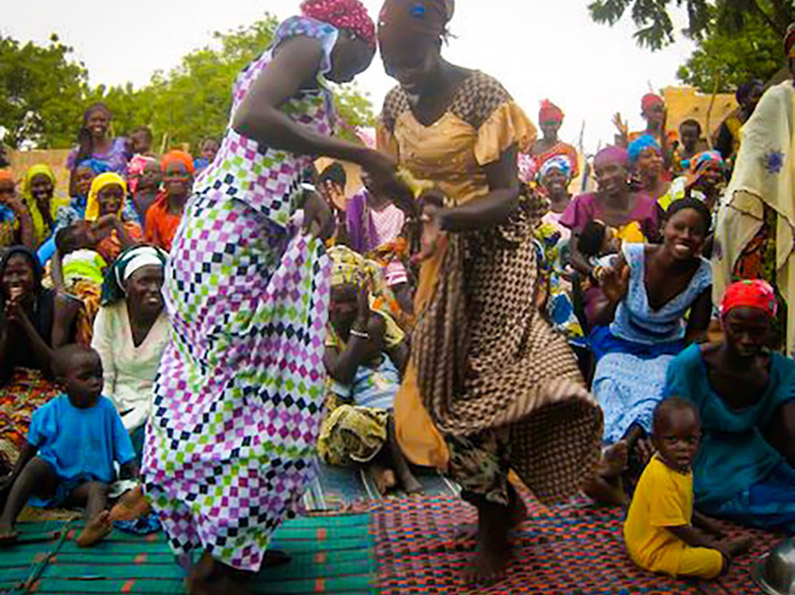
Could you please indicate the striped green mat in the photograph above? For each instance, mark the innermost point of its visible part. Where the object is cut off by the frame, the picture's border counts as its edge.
(330, 554)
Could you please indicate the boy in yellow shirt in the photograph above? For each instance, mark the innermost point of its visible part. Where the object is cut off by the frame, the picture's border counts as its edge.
(660, 530)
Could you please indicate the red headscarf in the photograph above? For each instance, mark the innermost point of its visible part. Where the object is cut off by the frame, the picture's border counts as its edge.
(178, 157)
(750, 294)
(405, 21)
(550, 112)
(343, 14)
(649, 100)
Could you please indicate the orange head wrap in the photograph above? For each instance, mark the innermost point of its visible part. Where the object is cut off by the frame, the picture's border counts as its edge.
(178, 157)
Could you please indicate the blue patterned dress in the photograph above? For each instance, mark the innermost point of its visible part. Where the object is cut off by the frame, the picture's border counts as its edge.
(239, 393)
(634, 352)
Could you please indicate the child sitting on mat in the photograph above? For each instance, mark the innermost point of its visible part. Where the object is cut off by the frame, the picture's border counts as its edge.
(660, 529)
(73, 442)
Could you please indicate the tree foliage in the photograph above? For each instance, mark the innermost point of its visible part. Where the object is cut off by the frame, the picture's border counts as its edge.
(724, 60)
(188, 103)
(655, 27)
(41, 93)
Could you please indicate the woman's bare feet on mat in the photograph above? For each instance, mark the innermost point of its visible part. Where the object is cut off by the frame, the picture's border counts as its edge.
(131, 506)
(95, 530)
(493, 552)
(411, 484)
(8, 536)
(208, 577)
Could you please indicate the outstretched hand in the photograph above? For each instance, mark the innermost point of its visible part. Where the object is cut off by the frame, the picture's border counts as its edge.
(614, 282)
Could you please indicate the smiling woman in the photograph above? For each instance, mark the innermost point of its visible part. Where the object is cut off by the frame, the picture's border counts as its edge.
(95, 142)
(164, 216)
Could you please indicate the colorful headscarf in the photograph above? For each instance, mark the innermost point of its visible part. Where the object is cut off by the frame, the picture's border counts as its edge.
(550, 112)
(403, 22)
(611, 155)
(40, 169)
(349, 267)
(750, 294)
(699, 161)
(559, 162)
(129, 261)
(343, 14)
(744, 90)
(136, 168)
(178, 157)
(641, 144)
(528, 167)
(789, 41)
(650, 100)
(5, 174)
(100, 182)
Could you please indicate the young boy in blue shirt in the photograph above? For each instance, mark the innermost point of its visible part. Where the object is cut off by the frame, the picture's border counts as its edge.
(73, 442)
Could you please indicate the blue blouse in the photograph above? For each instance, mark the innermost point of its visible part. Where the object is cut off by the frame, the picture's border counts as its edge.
(734, 454)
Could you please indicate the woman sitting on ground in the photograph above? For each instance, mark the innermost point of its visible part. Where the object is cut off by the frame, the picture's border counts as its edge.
(38, 191)
(34, 321)
(131, 332)
(745, 468)
(633, 214)
(16, 225)
(650, 290)
(162, 219)
(366, 354)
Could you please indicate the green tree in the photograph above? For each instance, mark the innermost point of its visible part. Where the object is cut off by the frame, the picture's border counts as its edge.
(655, 27)
(193, 100)
(725, 60)
(42, 93)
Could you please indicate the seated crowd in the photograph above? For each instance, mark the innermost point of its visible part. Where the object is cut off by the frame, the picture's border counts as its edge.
(698, 405)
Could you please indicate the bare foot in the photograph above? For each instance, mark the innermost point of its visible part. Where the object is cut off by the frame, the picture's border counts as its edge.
(738, 547)
(614, 460)
(275, 558)
(491, 558)
(131, 506)
(494, 550)
(95, 530)
(384, 479)
(7, 535)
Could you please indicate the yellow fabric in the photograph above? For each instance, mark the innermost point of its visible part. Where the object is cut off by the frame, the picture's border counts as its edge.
(735, 125)
(631, 233)
(450, 154)
(663, 498)
(40, 233)
(350, 434)
(764, 174)
(700, 562)
(100, 182)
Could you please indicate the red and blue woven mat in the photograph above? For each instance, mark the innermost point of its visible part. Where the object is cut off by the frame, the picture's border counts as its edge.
(573, 550)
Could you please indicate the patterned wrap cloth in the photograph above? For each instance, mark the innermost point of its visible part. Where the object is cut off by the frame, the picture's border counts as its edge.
(499, 385)
(239, 394)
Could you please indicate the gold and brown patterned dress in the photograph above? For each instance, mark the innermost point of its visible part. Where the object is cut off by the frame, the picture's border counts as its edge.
(501, 389)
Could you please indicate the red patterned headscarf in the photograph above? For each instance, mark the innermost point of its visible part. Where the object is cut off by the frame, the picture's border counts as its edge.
(550, 112)
(750, 294)
(343, 14)
(650, 100)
